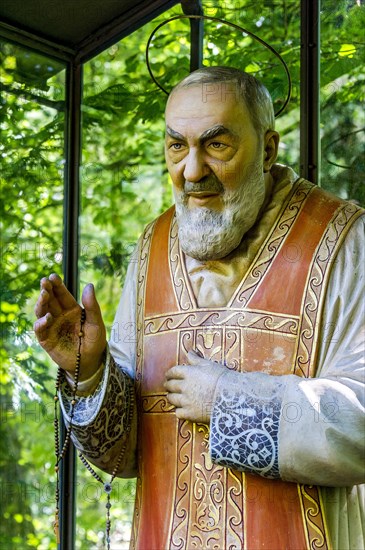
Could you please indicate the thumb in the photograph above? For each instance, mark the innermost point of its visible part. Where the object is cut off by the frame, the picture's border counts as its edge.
(91, 305)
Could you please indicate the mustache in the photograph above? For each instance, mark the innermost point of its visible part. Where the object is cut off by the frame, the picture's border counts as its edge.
(209, 184)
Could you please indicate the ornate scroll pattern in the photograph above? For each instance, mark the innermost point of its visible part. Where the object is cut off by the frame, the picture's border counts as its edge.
(318, 275)
(208, 491)
(273, 242)
(233, 348)
(208, 513)
(98, 426)
(244, 433)
(184, 459)
(257, 320)
(156, 403)
(316, 535)
(208, 505)
(183, 293)
(141, 290)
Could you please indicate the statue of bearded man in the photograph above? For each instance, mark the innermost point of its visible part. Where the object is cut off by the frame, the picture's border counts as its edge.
(239, 403)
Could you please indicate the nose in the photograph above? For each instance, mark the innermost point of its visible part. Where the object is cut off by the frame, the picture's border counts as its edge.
(195, 167)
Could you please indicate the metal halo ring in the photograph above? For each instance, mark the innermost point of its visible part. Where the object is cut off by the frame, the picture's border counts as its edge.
(233, 25)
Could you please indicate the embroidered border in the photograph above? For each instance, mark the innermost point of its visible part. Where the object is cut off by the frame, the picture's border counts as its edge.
(230, 318)
(108, 426)
(273, 242)
(313, 520)
(203, 518)
(156, 403)
(183, 293)
(141, 290)
(313, 298)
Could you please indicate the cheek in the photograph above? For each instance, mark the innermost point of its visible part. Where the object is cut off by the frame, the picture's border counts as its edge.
(237, 172)
(176, 176)
(229, 173)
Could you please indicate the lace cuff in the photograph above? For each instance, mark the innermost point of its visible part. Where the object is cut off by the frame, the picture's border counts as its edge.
(245, 423)
(104, 418)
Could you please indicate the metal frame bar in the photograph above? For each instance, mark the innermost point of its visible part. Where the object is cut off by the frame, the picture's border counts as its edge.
(71, 277)
(309, 90)
(194, 7)
(36, 43)
(120, 28)
(98, 41)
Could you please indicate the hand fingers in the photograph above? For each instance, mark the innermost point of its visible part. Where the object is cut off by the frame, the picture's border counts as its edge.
(41, 307)
(42, 325)
(177, 372)
(173, 386)
(61, 293)
(176, 399)
(91, 305)
(47, 300)
(53, 305)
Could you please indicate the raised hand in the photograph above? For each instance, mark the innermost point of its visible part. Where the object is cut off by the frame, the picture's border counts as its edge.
(58, 325)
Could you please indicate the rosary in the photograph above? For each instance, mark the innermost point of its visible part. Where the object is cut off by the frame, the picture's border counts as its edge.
(61, 454)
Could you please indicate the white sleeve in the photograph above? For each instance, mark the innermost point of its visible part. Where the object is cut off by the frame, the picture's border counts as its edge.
(305, 430)
(123, 335)
(325, 444)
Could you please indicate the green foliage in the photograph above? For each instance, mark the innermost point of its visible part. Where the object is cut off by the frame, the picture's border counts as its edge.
(124, 186)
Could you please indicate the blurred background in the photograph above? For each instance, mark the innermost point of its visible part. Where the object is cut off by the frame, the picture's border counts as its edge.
(124, 185)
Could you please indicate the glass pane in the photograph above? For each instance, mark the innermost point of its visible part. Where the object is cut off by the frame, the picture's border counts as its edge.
(342, 98)
(32, 160)
(124, 179)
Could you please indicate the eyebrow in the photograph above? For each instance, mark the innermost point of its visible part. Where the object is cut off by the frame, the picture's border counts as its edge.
(215, 131)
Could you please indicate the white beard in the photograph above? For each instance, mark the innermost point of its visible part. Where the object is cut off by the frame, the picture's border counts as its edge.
(205, 234)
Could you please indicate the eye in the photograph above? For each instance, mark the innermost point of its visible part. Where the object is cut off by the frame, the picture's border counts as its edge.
(217, 145)
(175, 146)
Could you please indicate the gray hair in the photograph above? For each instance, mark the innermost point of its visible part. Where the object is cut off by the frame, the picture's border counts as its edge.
(254, 95)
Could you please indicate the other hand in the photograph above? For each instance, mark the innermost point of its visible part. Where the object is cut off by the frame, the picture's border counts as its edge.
(58, 325)
(191, 387)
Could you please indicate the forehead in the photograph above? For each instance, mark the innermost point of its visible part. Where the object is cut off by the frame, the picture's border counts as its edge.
(199, 107)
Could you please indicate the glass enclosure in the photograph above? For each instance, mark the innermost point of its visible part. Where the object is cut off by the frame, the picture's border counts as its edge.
(32, 164)
(125, 185)
(342, 99)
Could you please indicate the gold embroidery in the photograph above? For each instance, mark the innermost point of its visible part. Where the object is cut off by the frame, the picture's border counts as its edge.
(156, 403)
(313, 298)
(272, 244)
(142, 273)
(257, 320)
(313, 519)
(184, 295)
(181, 516)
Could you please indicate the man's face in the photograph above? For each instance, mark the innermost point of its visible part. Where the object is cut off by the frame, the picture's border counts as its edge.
(215, 159)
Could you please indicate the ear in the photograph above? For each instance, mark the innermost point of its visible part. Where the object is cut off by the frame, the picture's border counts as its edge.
(271, 145)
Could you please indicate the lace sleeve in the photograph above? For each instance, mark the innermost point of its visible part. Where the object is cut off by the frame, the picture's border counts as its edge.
(104, 423)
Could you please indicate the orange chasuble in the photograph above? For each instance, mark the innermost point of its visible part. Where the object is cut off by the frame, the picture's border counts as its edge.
(183, 500)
